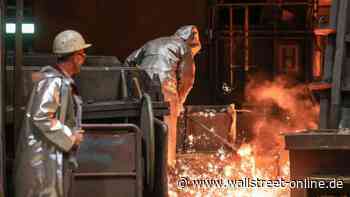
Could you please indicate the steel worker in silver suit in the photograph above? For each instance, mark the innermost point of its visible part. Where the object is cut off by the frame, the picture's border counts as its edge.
(172, 58)
(51, 127)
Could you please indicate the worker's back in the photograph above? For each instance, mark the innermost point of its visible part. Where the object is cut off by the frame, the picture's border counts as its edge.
(160, 56)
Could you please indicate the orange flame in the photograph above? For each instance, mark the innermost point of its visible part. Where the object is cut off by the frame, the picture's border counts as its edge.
(285, 107)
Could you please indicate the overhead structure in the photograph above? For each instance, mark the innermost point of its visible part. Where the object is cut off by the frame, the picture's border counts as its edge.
(238, 33)
(322, 154)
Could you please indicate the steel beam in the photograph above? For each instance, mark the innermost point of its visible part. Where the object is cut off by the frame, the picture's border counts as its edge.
(2, 102)
(18, 101)
(263, 4)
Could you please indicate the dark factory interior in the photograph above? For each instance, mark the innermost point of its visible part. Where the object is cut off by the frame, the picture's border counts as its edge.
(269, 99)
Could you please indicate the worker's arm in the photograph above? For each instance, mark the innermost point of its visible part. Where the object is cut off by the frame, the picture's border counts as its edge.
(186, 76)
(46, 103)
(134, 58)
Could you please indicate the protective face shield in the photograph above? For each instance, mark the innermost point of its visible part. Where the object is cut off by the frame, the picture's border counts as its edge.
(195, 42)
(69, 41)
(190, 34)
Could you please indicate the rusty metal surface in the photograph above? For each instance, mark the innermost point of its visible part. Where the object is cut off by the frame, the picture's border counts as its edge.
(317, 152)
(161, 165)
(99, 85)
(121, 109)
(148, 137)
(200, 122)
(308, 163)
(109, 162)
(103, 78)
(100, 96)
(317, 140)
(105, 187)
(101, 151)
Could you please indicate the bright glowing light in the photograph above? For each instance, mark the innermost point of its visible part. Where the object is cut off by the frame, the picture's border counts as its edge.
(27, 28)
(10, 28)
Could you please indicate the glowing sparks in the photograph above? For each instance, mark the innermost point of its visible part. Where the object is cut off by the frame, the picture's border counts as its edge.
(190, 139)
(282, 107)
(221, 154)
(245, 150)
(228, 171)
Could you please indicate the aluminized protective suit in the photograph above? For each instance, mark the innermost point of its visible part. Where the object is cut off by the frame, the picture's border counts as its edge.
(172, 59)
(44, 138)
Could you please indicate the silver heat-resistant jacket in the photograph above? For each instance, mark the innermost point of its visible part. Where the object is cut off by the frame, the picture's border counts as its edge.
(170, 58)
(44, 138)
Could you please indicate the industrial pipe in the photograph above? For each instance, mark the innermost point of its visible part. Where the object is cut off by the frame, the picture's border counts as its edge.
(18, 89)
(246, 38)
(2, 103)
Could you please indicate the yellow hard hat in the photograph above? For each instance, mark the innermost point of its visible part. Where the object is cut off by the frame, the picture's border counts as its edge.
(69, 41)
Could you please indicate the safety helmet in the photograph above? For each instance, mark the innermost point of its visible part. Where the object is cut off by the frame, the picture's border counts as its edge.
(69, 41)
(189, 34)
(185, 32)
